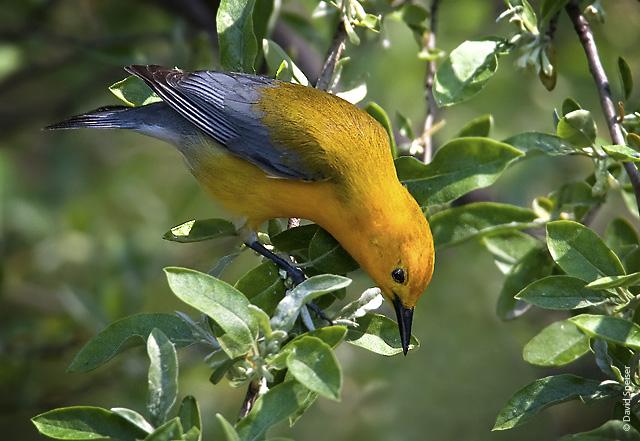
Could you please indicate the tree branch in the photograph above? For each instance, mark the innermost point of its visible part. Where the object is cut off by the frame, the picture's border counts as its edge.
(604, 91)
(333, 56)
(249, 399)
(430, 44)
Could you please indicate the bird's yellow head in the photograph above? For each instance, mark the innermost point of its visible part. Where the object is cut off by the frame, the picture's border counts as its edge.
(397, 252)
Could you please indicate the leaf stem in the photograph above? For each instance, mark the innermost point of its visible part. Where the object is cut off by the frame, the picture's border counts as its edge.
(604, 91)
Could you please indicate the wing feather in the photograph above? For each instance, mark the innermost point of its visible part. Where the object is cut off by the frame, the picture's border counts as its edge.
(220, 104)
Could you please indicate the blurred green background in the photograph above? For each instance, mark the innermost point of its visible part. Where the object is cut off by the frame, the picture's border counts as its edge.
(83, 213)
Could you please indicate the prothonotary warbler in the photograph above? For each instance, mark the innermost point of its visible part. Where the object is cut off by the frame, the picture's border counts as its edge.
(268, 149)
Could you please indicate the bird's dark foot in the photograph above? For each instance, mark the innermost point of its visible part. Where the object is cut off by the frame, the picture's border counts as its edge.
(297, 276)
(319, 312)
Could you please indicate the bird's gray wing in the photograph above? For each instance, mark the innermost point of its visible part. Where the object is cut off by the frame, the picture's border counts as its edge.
(220, 105)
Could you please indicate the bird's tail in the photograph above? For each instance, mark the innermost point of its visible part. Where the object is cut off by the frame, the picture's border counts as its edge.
(109, 117)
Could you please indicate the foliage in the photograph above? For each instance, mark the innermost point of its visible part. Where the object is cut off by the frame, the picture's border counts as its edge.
(260, 333)
(593, 278)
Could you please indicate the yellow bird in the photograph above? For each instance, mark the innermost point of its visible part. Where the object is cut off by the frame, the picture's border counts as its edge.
(268, 149)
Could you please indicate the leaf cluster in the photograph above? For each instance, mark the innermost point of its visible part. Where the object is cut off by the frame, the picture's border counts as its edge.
(549, 257)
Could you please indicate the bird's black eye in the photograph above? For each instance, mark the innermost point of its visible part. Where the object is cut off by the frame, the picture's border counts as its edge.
(398, 275)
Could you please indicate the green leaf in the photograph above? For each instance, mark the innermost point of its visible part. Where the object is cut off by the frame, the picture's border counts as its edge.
(479, 127)
(199, 230)
(466, 70)
(296, 241)
(605, 361)
(263, 286)
(540, 394)
(277, 404)
(615, 281)
(534, 265)
(534, 143)
(611, 329)
(163, 377)
(134, 92)
(330, 335)
(580, 252)
(529, 18)
(569, 105)
(290, 305)
(314, 365)
(194, 434)
(381, 116)
(614, 430)
(625, 77)
(548, 72)
(378, 334)
(416, 17)
(578, 128)
(633, 141)
(371, 22)
(620, 236)
(327, 255)
(549, 8)
(622, 153)
(189, 414)
(561, 292)
(457, 225)
(129, 332)
(281, 64)
(309, 399)
(509, 247)
(573, 200)
(370, 300)
(236, 40)
(169, 431)
(458, 167)
(404, 126)
(228, 429)
(227, 306)
(222, 265)
(558, 344)
(134, 417)
(220, 370)
(84, 422)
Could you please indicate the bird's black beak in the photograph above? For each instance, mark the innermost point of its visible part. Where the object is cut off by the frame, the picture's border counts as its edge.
(405, 317)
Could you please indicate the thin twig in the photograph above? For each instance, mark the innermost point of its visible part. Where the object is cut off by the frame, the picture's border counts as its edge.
(333, 56)
(249, 399)
(604, 91)
(430, 45)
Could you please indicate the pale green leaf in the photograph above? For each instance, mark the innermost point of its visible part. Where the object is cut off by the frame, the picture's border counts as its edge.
(580, 252)
(314, 365)
(163, 376)
(558, 344)
(458, 167)
(129, 332)
(84, 422)
(561, 292)
(611, 329)
(525, 403)
(466, 70)
(236, 39)
(457, 225)
(227, 306)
